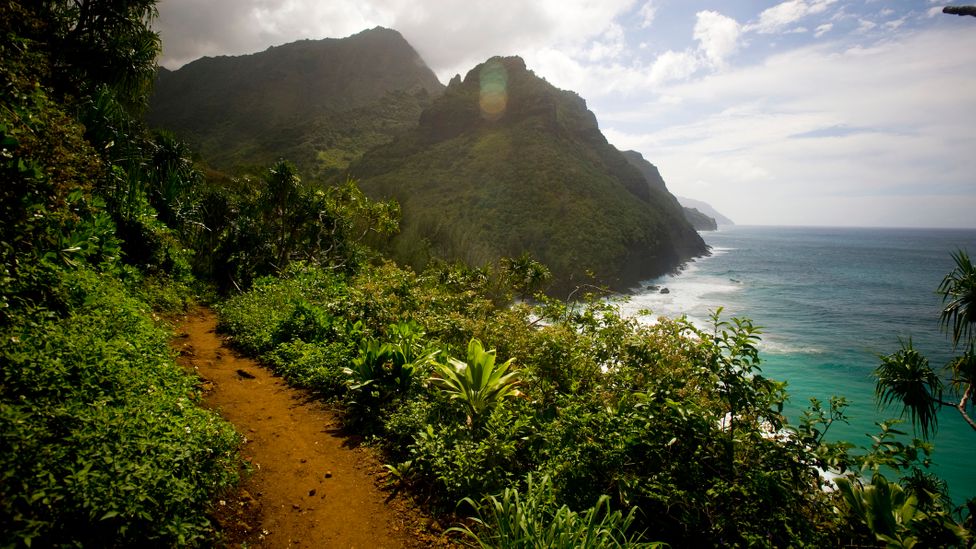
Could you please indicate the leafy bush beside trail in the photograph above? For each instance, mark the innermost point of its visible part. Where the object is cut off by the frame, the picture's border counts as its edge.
(101, 437)
(601, 405)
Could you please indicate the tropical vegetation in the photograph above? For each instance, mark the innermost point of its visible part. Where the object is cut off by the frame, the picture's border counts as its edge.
(528, 421)
(671, 427)
(906, 378)
(101, 437)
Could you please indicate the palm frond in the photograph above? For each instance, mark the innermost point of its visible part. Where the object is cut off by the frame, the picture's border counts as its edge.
(958, 290)
(905, 377)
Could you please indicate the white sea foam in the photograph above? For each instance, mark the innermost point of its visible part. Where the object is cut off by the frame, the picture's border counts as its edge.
(717, 250)
(780, 347)
(689, 293)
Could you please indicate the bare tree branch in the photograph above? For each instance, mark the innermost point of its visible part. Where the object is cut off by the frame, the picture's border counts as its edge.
(962, 407)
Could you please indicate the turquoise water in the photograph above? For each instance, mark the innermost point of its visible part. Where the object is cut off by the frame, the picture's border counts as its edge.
(830, 301)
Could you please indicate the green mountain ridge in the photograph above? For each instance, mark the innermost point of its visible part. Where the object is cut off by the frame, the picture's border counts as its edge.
(699, 220)
(492, 166)
(319, 103)
(503, 162)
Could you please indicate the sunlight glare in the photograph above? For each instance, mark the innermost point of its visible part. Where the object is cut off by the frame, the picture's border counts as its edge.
(494, 90)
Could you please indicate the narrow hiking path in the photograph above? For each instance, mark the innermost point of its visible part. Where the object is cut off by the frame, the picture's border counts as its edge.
(311, 486)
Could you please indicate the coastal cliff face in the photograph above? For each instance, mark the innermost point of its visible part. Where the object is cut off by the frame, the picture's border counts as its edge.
(504, 163)
(700, 221)
(319, 103)
(706, 209)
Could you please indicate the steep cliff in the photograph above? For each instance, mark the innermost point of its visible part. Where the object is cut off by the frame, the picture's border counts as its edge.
(503, 162)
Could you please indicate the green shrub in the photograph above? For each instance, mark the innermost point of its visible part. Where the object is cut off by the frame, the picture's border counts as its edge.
(255, 318)
(100, 435)
(453, 462)
(671, 420)
(479, 383)
(387, 372)
(306, 322)
(101, 438)
(315, 366)
(164, 293)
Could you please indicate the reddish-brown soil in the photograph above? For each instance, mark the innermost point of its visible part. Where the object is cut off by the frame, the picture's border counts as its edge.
(310, 486)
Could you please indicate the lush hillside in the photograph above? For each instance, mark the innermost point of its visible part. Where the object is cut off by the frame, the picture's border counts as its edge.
(504, 163)
(557, 423)
(101, 439)
(705, 208)
(698, 220)
(319, 103)
(648, 170)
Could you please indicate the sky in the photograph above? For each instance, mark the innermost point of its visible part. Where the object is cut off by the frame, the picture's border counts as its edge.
(797, 112)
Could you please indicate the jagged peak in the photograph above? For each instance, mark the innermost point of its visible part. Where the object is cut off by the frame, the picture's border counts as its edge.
(502, 90)
(513, 65)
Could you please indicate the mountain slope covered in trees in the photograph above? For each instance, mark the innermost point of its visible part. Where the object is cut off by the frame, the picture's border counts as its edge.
(699, 220)
(505, 163)
(101, 438)
(560, 423)
(525, 159)
(318, 103)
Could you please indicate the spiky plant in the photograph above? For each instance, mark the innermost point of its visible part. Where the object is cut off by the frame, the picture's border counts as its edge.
(958, 291)
(906, 377)
(886, 509)
(479, 383)
(528, 521)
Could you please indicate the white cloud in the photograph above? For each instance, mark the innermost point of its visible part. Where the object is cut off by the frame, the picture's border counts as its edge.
(823, 29)
(451, 36)
(864, 25)
(782, 15)
(647, 13)
(672, 65)
(604, 74)
(825, 127)
(894, 24)
(820, 6)
(718, 36)
(778, 17)
(609, 46)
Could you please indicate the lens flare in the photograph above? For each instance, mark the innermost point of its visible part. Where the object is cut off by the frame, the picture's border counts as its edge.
(494, 90)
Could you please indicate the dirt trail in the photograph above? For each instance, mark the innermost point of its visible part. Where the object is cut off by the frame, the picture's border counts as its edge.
(310, 487)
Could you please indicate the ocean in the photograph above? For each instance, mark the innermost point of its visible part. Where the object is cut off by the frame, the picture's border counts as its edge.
(829, 302)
